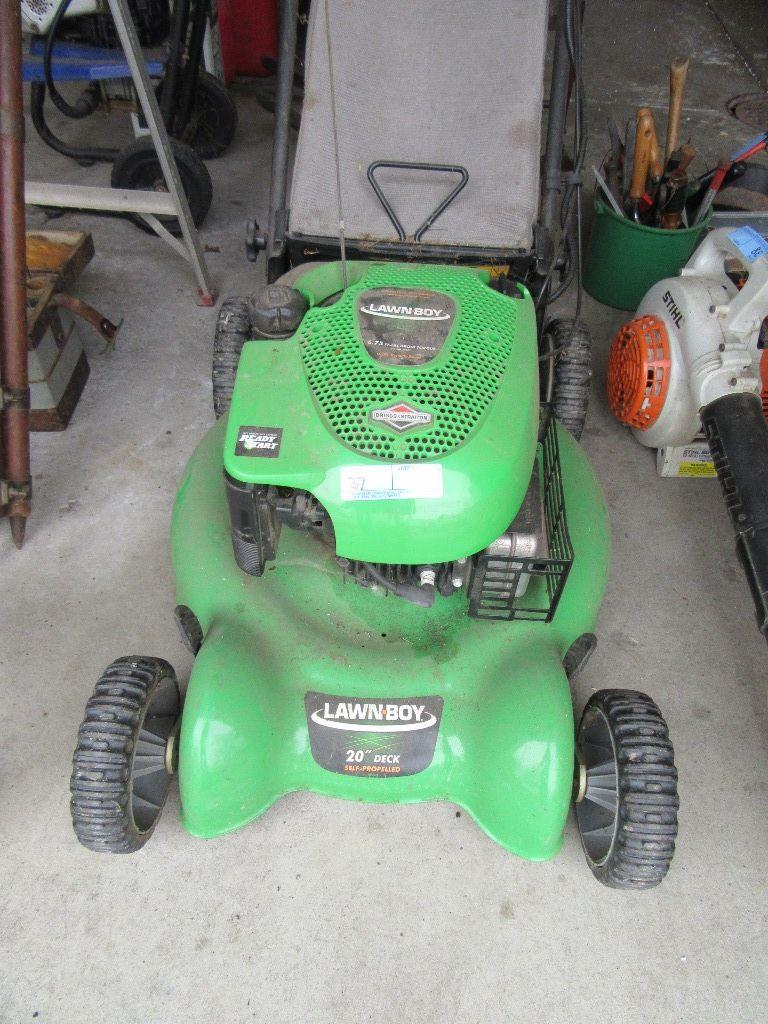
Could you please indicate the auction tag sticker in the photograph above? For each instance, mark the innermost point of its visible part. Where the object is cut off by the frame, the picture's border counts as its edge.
(749, 242)
(377, 482)
(370, 737)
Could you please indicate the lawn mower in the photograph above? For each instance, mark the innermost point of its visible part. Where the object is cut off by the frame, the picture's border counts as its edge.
(390, 550)
(689, 375)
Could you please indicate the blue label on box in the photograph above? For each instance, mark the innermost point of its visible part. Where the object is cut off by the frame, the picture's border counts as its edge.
(749, 242)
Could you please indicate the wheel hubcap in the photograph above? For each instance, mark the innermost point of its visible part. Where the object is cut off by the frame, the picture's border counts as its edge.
(597, 813)
(150, 778)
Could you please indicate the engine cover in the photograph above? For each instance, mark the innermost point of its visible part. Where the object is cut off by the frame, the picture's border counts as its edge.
(406, 404)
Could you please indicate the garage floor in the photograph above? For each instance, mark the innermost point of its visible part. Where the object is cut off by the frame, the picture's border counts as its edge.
(325, 911)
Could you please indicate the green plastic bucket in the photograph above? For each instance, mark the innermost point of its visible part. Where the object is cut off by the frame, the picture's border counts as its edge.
(625, 258)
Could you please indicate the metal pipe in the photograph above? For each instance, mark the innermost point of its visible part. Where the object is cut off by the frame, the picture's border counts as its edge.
(188, 90)
(558, 108)
(286, 64)
(179, 23)
(77, 307)
(13, 311)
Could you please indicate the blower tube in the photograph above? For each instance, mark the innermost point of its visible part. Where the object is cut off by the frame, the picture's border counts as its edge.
(738, 439)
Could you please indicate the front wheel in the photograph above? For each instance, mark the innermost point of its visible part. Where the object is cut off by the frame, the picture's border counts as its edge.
(627, 801)
(125, 755)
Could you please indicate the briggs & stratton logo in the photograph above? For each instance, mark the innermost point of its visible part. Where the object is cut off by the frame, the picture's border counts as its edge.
(401, 417)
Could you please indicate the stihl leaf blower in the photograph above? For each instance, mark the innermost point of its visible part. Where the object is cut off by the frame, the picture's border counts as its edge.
(694, 359)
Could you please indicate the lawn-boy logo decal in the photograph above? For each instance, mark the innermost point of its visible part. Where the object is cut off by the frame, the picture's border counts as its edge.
(401, 416)
(405, 312)
(350, 716)
(373, 738)
(404, 326)
(259, 442)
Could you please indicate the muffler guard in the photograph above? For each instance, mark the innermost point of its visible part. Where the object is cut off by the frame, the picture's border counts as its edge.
(291, 660)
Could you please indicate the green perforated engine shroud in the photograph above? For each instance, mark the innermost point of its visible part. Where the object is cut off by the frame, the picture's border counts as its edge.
(457, 387)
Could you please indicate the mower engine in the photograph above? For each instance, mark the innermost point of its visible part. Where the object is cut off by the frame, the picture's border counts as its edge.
(693, 361)
(398, 400)
(493, 578)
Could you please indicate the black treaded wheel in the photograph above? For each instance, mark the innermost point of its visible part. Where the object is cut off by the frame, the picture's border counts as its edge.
(137, 167)
(571, 342)
(124, 759)
(213, 121)
(232, 329)
(627, 818)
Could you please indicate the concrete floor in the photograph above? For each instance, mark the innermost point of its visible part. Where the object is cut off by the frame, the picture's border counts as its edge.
(324, 911)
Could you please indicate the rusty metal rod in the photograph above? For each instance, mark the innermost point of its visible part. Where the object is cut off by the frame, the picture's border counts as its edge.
(77, 307)
(13, 307)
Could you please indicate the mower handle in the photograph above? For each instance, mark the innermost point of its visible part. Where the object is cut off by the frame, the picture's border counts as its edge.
(410, 166)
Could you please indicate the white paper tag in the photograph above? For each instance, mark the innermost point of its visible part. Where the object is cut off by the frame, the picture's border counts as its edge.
(391, 482)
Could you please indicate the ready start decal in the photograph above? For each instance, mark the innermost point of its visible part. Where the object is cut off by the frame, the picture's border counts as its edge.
(373, 738)
(259, 442)
(401, 416)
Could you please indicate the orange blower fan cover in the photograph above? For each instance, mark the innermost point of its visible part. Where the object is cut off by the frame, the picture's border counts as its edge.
(638, 372)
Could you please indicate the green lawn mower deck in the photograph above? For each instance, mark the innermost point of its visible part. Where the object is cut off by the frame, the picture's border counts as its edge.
(389, 559)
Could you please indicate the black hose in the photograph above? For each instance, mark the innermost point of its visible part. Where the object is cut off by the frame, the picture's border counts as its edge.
(86, 104)
(81, 153)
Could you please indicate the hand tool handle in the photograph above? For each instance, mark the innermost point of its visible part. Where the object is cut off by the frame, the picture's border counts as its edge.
(709, 196)
(683, 157)
(678, 72)
(750, 148)
(629, 156)
(753, 149)
(643, 147)
(656, 164)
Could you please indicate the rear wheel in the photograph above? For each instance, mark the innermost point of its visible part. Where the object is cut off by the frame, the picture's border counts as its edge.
(126, 755)
(232, 329)
(137, 167)
(627, 803)
(569, 341)
(213, 121)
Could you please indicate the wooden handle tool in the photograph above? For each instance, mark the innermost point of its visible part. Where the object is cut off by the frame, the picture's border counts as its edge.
(656, 165)
(642, 162)
(678, 72)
